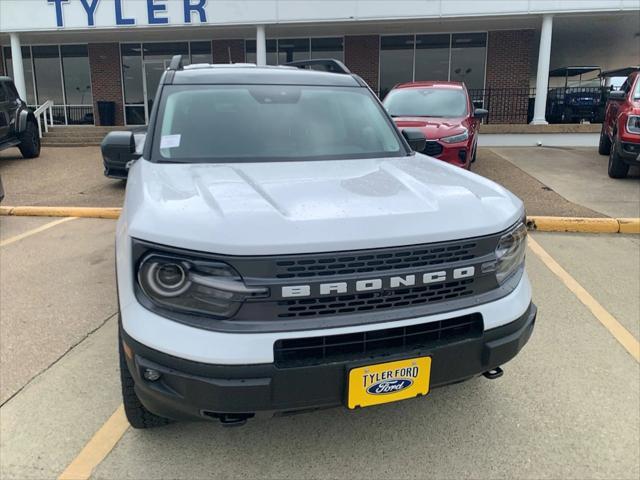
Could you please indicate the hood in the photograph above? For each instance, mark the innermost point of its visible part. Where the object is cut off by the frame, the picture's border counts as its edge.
(313, 206)
(433, 127)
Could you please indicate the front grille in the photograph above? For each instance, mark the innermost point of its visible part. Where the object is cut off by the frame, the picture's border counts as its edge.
(432, 149)
(365, 302)
(297, 352)
(323, 265)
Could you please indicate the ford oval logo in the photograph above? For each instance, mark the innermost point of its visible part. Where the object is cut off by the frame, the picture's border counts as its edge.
(389, 386)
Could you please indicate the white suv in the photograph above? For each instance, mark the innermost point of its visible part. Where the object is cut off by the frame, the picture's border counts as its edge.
(282, 248)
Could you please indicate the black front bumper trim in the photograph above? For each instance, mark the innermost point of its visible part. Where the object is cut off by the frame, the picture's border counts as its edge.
(190, 390)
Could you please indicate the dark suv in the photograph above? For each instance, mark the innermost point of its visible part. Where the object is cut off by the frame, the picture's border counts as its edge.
(18, 126)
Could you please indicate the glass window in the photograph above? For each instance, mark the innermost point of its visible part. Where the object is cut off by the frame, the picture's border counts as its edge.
(272, 51)
(396, 61)
(27, 66)
(432, 57)
(46, 61)
(134, 115)
(166, 51)
(292, 50)
(209, 123)
(426, 102)
(132, 73)
(201, 52)
(77, 79)
(468, 52)
(327, 48)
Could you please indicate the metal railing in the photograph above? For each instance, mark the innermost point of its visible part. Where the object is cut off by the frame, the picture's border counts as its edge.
(564, 105)
(41, 111)
(505, 105)
(66, 114)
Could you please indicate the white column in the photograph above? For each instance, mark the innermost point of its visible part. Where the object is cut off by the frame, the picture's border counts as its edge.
(16, 62)
(261, 46)
(542, 79)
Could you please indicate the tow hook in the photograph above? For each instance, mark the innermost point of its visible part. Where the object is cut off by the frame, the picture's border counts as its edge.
(493, 373)
(231, 420)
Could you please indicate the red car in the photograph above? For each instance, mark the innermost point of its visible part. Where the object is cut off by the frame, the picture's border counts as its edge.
(620, 134)
(444, 113)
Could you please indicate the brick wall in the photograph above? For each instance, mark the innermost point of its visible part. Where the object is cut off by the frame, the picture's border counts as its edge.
(362, 55)
(508, 67)
(221, 49)
(106, 82)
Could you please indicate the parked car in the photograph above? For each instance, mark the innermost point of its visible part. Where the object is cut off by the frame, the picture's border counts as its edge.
(620, 134)
(445, 114)
(283, 248)
(579, 99)
(18, 125)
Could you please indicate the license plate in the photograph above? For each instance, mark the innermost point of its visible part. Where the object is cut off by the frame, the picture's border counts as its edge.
(388, 382)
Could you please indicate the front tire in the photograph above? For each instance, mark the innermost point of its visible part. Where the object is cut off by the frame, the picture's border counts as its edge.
(604, 146)
(30, 141)
(617, 167)
(138, 416)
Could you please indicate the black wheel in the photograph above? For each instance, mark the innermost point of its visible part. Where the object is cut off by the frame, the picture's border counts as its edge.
(604, 147)
(137, 414)
(30, 141)
(617, 168)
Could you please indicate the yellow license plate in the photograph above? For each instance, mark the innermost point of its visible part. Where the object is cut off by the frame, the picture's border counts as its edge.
(388, 382)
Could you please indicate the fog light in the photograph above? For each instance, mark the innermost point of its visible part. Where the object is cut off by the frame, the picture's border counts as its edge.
(151, 374)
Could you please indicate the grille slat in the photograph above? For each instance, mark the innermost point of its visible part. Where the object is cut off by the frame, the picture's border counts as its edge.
(432, 148)
(412, 257)
(362, 302)
(353, 346)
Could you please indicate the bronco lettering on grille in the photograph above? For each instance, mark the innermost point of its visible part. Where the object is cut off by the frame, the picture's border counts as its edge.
(373, 284)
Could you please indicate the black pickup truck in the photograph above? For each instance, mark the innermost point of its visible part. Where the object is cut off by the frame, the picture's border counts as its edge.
(18, 125)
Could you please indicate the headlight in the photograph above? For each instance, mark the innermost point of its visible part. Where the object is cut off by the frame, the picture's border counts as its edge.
(193, 286)
(459, 137)
(633, 124)
(510, 252)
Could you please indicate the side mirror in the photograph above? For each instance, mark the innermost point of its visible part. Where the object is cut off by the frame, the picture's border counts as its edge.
(416, 139)
(617, 95)
(480, 113)
(119, 148)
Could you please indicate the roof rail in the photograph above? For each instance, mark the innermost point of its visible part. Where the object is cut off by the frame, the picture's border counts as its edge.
(329, 64)
(176, 63)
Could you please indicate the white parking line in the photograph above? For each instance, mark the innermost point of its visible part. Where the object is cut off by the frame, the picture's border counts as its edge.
(28, 233)
(621, 334)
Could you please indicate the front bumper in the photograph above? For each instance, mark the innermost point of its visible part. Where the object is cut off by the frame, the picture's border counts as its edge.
(629, 152)
(189, 390)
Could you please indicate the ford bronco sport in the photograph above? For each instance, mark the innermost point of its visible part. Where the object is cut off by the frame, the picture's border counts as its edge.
(282, 248)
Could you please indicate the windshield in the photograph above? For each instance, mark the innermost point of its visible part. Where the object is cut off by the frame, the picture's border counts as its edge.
(244, 123)
(636, 93)
(426, 102)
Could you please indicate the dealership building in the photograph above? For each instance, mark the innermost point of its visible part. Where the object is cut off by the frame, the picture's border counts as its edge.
(77, 53)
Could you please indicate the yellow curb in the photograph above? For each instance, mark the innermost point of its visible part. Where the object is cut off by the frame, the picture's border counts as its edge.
(85, 212)
(629, 225)
(573, 224)
(537, 223)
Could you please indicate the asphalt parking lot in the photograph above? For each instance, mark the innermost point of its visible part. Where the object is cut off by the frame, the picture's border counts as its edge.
(567, 407)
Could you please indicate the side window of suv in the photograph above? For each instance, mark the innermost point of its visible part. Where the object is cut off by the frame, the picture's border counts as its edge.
(12, 93)
(3, 92)
(626, 86)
